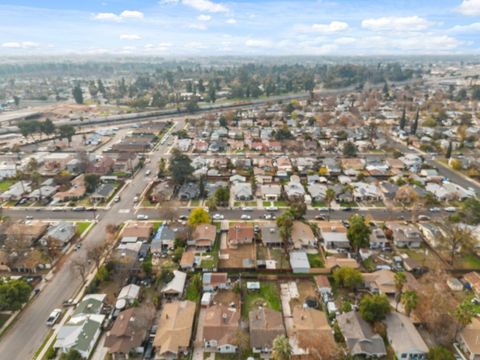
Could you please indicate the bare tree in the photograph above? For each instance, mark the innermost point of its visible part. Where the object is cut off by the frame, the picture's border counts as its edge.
(168, 212)
(455, 240)
(80, 267)
(96, 253)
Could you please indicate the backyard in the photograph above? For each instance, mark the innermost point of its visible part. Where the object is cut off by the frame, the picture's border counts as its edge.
(267, 296)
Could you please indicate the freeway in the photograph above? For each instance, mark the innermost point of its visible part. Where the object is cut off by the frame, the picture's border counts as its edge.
(27, 333)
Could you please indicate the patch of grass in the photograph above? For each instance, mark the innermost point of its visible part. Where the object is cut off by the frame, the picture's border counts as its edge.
(5, 184)
(156, 225)
(349, 204)
(268, 295)
(315, 260)
(39, 350)
(281, 203)
(319, 204)
(267, 203)
(82, 226)
(369, 264)
(195, 202)
(471, 261)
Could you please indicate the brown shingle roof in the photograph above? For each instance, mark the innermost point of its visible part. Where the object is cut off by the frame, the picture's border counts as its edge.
(265, 325)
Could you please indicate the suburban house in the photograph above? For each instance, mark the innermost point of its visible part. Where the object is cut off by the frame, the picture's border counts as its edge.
(378, 240)
(203, 237)
(26, 233)
(467, 339)
(189, 191)
(215, 281)
(294, 188)
(187, 262)
(163, 240)
(129, 332)
(405, 235)
(299, 262)
(59, 234)
(82, 330)
(404, 337)
(139, 230)
(383, 282)
(317, 191)
(174, 330)
(302, 235)
(271, 192)
(311, 331)
(334, 236)
(162, 191)
(240, 234)
(175, 287)
(103, 193)
(220, 327)
(265, 325)
(16, 191)
(76, 191)
(128, 295)
(359, 336)
(271, 236)
(242, 191)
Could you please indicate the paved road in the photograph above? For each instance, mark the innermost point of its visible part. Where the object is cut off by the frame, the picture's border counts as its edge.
(29, 331)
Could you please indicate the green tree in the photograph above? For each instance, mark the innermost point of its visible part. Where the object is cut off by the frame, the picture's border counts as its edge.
(212, 92)
(222, 196)
(348, 278)
(403, 119)
(409, 301)
(66, 132)
(374, 308)
(192, 106)
(400, 280)
(91, 182)
(298, 209)
(463, 314)
(13, 294)
(470, 211)
(198, 216)
(162, 167)
(101, 88)
(281, 348)
(414, 128)
(448, 153)
(72, 354)
(349, 149)
(440, 353)
(180, 167)
(329, 197)
(358, 233)
(284, 224)
(77, 94)
(47, 127)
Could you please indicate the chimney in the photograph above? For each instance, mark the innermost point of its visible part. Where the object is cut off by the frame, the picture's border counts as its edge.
(166, 316)
(224, 317)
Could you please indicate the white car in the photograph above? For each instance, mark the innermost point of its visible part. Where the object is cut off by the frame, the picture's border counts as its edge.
(245, 217)
(450, 209)
(218, 217)
(148, 172)
(423, 218)
(435, 209)
(322, 209)
(142, 217)
(247, 208)
(271, 208)
(53, 318)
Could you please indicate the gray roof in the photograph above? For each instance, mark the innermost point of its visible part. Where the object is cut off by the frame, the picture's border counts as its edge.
(104, 190)
(403, 335)
(271, 235)
(359, 336)
(299, 260)
(63, 232)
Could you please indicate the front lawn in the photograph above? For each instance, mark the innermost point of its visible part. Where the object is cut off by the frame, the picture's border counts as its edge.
(281, 203)
(82, 226)
(267, 203)
(5, 184)
(315, 260)
(319, 204)
(268, 296)
(349, 204)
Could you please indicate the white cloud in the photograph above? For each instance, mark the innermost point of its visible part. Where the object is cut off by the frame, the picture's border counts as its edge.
(345, 41)
(198, 26)
(124, 15)
(334, 26)
(168, 2)
(231, 21)
(475, 27)
(205, 5)
(258, 43)
(204, 17)
(470, 8)
(391, 23)
(20, 45)
(130, 37)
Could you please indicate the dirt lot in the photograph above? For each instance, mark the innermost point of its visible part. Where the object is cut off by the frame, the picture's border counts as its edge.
(227, 297)
(236, 256)
(306, 289)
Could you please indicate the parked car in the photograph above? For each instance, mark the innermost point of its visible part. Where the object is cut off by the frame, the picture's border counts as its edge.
(450, 209)
(53, 318)
(135, 199)
(247, 208)
(271, 208)
(148, 172)
(218, 217)
(435, 209)
(245, 217)
(29, 217)
(323, 209)
(142, 217)
(347, 209)
(183, 217)
(116, 198)
(423, 218)
(320, 217)
(79, 208)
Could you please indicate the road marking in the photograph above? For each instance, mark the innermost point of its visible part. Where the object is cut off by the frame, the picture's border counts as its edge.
(124, 211)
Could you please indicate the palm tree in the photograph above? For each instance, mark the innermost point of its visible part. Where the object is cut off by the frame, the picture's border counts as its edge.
(400, 280)
(409, 301)
(329, 197)
(281, 348)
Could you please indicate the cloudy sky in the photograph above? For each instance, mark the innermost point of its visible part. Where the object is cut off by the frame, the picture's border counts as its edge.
(240, 27)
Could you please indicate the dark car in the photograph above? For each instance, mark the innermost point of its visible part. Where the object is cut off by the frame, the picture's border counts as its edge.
(347, 209)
